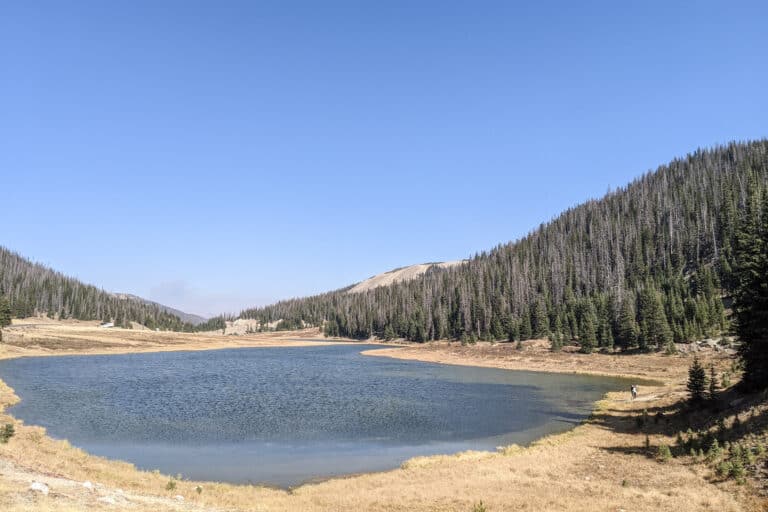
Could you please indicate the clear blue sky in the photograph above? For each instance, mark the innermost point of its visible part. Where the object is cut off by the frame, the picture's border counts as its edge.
(216, 155)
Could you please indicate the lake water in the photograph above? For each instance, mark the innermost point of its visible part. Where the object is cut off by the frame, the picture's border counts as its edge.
(287, 415)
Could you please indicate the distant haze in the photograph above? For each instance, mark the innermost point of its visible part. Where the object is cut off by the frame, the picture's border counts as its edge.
(200, 302)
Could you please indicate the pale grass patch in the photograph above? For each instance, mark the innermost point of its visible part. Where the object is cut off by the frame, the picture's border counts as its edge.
(509, 450)
(432, 460)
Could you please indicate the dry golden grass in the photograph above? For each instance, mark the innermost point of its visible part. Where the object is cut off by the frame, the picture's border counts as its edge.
(596, 466)
(42, 336)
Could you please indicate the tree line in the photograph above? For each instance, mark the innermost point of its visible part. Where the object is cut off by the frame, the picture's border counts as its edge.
(648, 264)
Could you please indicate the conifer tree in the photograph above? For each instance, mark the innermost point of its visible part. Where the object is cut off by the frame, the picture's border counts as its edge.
(751, 294)
(539, 319)
(628, 328)
(5, 312)
(555, 342)
(697, 381)
(525, 327)
(654, 328)
(588, 329)
(713, 384)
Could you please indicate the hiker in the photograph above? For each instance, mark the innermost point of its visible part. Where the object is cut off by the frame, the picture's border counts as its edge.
(633, 390)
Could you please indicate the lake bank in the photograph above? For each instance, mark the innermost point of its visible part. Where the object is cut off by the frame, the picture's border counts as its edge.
(284, 416)
(595, 466)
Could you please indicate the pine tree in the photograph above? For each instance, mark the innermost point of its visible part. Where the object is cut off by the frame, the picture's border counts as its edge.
(751, 294)
(697, 381)
(539, 319)
(525, 327)
(5, 312)
(713, 384)
(588, 329)
(555, 343)
(654, 328)
(514, 331)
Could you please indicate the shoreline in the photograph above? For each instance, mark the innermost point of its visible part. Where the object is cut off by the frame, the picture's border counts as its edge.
(385, 349)
(385, 352)
(238, 495)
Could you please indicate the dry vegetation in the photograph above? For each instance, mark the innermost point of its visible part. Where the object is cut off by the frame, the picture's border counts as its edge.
(600, 465)
(42, 336)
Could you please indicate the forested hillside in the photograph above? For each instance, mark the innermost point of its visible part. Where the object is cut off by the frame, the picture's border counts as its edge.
(647, 264)
(32, 289)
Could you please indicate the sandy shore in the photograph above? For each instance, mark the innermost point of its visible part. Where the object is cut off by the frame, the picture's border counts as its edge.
(599, 465)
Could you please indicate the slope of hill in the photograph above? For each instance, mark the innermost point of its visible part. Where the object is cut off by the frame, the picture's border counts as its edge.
(399, 275)
(33, 289)
(645, 265)
(185, 317)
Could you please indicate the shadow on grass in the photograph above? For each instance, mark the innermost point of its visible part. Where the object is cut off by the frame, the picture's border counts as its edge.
(731, 418)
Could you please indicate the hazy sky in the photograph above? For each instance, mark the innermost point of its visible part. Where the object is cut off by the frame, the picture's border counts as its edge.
(216, 155)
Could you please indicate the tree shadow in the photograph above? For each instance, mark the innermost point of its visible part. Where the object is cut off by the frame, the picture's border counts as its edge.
(729, 418)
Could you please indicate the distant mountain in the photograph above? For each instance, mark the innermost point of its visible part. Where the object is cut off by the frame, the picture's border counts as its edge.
(185, 317)
(400, 275)
(645, 265)
(34, 289)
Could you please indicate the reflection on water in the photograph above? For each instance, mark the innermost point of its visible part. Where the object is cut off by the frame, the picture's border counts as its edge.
(286, 415)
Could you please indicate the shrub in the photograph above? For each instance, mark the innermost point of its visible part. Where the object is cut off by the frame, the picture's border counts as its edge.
(737, 469)
(714, 450)
(664, 453)
(199, 490)
(479, 507)
(171, 485)
(7, 432)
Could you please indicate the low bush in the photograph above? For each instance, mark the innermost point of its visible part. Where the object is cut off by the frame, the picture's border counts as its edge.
(7, 433)
(664, 453)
